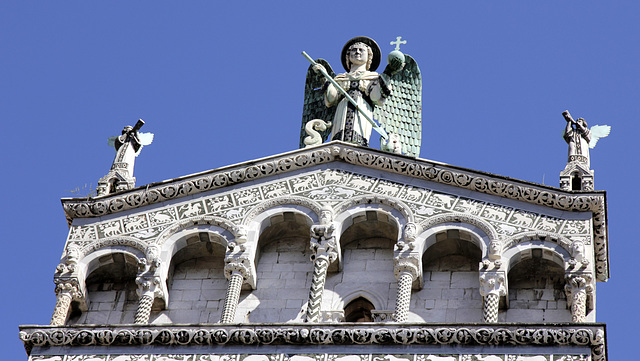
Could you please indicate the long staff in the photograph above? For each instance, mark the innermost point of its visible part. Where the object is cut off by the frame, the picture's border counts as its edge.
(375, 125)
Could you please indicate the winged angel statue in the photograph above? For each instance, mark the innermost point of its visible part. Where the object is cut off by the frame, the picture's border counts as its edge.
(580, 138)
(345, 105)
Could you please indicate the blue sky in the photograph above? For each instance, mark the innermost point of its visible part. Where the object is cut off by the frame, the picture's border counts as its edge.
(223, 83)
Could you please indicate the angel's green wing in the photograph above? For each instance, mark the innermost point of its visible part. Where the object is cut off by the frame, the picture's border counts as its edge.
(314, 107)
(401, 112)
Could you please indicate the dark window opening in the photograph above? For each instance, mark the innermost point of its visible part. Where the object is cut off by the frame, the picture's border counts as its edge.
(576, 183)
(358, 310)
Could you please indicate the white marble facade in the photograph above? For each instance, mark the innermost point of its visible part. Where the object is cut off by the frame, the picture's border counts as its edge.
(466, 239)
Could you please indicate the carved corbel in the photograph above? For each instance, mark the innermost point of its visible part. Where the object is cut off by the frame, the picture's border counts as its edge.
(411, 231)
(495, 250)
(326, 215)
(241, 235)
(71, 257)
(579, 291)
(578, 254)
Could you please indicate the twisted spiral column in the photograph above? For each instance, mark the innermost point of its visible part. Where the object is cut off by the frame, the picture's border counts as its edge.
(144, 308)
(61, 310)
(231, 299)
(492, 287)
(323, 252)
(320, 266)
(66, 291)
(490, 308)
(577, 288)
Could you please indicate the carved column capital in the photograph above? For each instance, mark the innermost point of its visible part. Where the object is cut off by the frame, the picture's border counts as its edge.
(493, 283)
(579, 281)
(68, 285)
(323, 242)
(237, 265)
(149, 285)
(406, 265)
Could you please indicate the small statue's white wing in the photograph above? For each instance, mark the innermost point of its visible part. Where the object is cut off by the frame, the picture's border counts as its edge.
(145, 138)
(597, 132)
(112, 141)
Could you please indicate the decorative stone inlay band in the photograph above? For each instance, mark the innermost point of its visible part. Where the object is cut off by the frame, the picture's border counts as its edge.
(584, 335)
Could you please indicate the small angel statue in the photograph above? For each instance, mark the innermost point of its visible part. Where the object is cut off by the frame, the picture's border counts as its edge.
(128, 147)
(345, 105)
(580, 138)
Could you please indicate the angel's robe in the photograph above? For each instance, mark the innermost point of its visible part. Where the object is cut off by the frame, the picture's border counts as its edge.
(127, 146)
(368, 89)
(578, 141)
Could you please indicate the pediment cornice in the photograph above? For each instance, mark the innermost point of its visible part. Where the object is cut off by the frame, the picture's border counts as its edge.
(280, 165)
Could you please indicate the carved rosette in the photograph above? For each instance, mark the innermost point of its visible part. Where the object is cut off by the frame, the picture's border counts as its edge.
(406, 270)
(492, 287)
(578, 288)
(67, 290)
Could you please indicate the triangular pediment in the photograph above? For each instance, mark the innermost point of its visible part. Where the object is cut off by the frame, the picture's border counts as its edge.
(339, 175)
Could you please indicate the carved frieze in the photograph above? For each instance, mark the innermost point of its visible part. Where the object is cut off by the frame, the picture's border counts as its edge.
(407, 335)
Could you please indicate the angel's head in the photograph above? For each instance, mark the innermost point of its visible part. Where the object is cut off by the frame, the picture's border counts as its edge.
(127, 129)
(361, 50)
(359, 53)
(582, 122)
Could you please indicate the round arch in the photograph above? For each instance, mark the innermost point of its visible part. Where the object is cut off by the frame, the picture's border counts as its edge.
(561, 241)
(395, 206)
(554, 252)
(482, 233)
(276, 205)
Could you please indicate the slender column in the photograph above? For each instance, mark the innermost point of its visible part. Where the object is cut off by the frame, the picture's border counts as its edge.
(406, 271)
(492, 287)
(231, 299)
(323, 252)
(577, 288)
(236, 272)
(66, 291)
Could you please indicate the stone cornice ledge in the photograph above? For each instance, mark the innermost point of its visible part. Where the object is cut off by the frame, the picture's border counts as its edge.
(335, 151)
(591, 335)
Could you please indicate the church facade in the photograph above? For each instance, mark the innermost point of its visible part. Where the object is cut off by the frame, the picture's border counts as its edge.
(334, 252)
